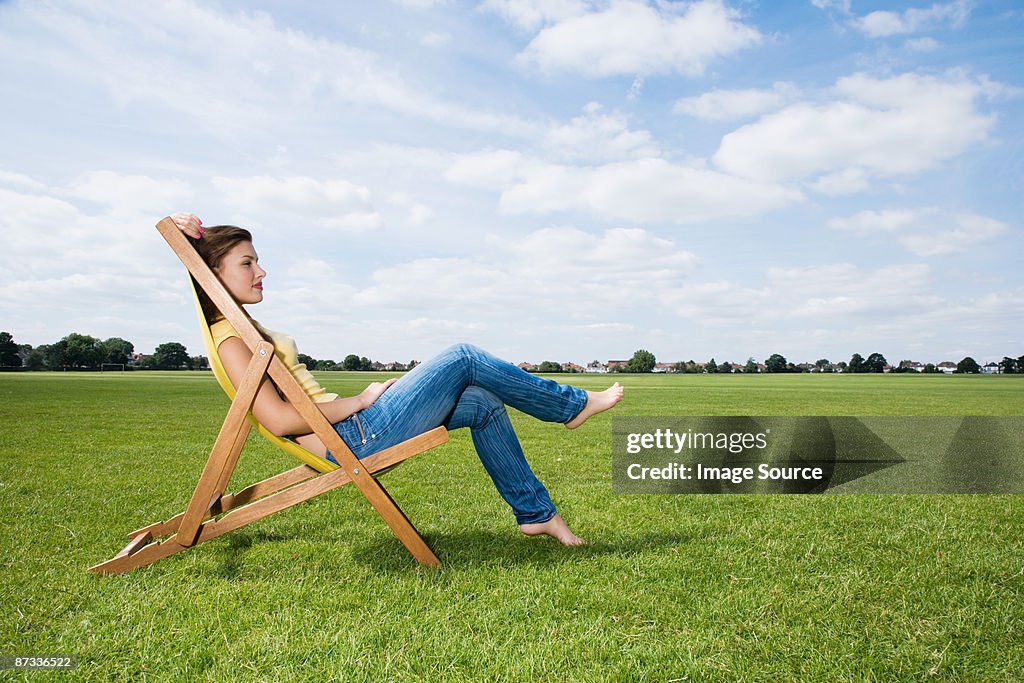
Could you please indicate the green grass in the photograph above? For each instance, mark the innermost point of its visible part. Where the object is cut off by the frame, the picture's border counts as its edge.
(751, 588)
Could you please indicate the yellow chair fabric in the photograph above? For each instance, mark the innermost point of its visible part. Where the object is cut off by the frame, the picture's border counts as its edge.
(290, 447)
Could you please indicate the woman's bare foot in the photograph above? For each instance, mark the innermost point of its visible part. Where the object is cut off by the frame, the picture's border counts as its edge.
(597, 402)
(556, 528)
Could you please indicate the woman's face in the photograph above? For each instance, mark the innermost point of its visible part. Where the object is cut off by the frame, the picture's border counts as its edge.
(240, 272)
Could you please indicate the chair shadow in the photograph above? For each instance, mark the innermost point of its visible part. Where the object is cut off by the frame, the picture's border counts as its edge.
(238, 543)
(491, 549)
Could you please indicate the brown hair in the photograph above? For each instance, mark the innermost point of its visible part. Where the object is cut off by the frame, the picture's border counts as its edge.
(215, 243)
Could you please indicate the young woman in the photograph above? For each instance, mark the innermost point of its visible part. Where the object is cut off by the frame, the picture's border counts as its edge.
(463, 386)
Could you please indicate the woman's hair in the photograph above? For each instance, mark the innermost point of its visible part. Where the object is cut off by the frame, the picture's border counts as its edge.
(215, 243)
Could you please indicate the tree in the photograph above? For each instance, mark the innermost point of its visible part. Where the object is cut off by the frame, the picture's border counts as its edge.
(856, 363)
(9, 356)
(1008, 366)
(351, 362)
(712, 367)
(117, 350)
(365, 363)
(875, 363)
(968, 366)
(36, 358)
(549, 366)
(930, 369)
(725, 368)
(75, 351)
(171, 356)
(308, 361)
(775, 363)
(823, 365)
(642, 361)
(327, 365)
(751, 366)
(841, 365)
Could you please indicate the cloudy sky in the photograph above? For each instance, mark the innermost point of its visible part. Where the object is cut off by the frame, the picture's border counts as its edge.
(550, 179)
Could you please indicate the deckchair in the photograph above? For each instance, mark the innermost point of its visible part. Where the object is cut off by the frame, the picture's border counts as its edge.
(211, 512)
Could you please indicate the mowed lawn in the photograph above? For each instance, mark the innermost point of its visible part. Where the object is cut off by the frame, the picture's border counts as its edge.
(695, 588)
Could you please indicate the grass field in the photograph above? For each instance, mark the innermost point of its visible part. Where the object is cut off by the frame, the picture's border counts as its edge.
(696, 588)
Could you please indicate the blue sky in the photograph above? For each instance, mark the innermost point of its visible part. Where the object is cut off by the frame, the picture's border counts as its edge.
(551, 179)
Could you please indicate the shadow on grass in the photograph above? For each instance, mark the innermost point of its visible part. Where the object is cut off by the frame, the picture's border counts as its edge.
(234, 550)
(489, 549)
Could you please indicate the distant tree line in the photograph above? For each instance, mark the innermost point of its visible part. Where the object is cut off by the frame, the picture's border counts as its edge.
(354, 362)
(644, 361)
(83, 352)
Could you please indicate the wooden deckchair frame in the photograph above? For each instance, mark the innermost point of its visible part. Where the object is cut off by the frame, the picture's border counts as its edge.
(200, 521)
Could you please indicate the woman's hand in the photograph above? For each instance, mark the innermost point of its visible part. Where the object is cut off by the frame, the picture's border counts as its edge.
(188, 223)
(371, 393)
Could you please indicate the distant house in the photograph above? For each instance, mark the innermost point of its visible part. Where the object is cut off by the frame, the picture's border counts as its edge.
(529, 367)
(572, 367)
(596, 366)
(662, 367)
(991, 368)
(947, 366)
(620, 364)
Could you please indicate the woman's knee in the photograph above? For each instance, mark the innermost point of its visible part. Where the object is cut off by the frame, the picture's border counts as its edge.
(483, 404)
(464, 349)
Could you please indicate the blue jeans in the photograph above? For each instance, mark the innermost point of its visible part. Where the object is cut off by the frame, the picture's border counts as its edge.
(465, 386)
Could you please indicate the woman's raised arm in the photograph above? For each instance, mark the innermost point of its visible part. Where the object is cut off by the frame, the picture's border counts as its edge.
(188, 223)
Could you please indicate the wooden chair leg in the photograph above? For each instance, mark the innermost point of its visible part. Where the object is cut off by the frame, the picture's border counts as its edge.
(263, 499)
(224, 455)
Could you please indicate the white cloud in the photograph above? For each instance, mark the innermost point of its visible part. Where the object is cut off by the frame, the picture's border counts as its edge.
(818, 293)
(490, 169)
(883, 23)
(724, 105)
(421, 4)
(20, 181)
(890, 220)
(841, 5)
(180, 56)
(551, 270)
(895, 126)
(68, 268)
(435, 39)
(922, 44)
(847, 181)
(598, 136)
(632, 37)
(925, 231)
(333, 205)
(639, 190)
(969, 230)
(131, 192)
(530, 15)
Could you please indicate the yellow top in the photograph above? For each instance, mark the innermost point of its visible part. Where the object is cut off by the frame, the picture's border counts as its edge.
(285, 349)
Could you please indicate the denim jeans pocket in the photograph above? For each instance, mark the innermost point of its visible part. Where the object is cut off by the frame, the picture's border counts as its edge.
(351, 431)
